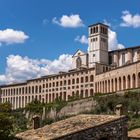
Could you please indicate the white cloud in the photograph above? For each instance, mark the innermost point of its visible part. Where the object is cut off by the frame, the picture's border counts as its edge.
(130, 20)
(113, 41)
(10, 36)
(83, 39)
(21, 68)
(107, 23)
(71, 21)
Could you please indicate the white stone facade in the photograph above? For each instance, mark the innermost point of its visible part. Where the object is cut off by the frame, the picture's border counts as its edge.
(97, 71)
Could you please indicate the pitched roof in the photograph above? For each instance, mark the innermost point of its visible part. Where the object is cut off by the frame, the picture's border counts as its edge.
(68, 126)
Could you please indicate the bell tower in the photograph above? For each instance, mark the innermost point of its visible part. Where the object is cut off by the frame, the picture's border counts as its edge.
(98, 44)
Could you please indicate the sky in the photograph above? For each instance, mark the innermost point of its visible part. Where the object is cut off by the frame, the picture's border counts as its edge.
(38, 37)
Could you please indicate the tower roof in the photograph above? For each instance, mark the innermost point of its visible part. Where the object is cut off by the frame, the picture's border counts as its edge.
(98, 23)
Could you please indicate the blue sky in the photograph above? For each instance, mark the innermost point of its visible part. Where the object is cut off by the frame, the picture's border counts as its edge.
(40, 33)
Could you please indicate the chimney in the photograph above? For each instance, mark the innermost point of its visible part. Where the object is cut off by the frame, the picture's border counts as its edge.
(119, 109)
(36, 121)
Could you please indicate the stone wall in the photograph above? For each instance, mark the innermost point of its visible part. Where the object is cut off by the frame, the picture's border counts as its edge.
(116, 130)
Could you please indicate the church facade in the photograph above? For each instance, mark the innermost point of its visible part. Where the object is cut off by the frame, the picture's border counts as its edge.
(97, 71)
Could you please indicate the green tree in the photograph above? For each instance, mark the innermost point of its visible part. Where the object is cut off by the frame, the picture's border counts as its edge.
(6, 121)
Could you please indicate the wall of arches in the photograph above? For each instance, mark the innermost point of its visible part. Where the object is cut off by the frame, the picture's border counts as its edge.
(119, 83)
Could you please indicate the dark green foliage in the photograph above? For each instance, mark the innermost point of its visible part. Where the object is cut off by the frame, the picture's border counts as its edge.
(6, 121)
(35, 106)
(130, 102)
(59, 104)
(20, 122)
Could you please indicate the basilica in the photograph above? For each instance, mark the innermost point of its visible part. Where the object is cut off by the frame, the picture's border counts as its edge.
(93, 72)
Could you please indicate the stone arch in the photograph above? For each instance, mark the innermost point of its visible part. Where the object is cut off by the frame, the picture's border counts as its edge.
(128, 82)
(78, 62)
(69, 82)
(25, 100)
(36, 89)
(81, 94)
(16, 102)
(86, 93)
(82, 79)
(29, 89)
(32, 98)
(115, 84)
(100, 87)
(124, 83)
(91, 78)
(73, 81)
(46, 98)
(96, 29)
(86, 79)
(105, 86)
(40, 88)
(29, 99)
(91, 92)
(108, 85)
(133, 81)
(36, 97)
(112, 85)
(32, 89)
(22, 101)
(73, 94)
(77, 80)
(139, 79)
(26, 90)
(19, 99)
(120, 84)
(22, 90)
(40, 98)
(96, 87)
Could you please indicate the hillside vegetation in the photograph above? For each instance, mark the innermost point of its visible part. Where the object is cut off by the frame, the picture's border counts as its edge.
(13, 121)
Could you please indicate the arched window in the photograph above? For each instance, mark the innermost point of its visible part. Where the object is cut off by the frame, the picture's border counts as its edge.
(86, 79)
(91, 78)
(124, 83)
(120, 84)
(78, 62)
(96, 29)
(73, 81)
(139, 79)
(40, 89)
(36, 89)
(69, 82)
(77, 80)
(91, 92)
(128, 82)
(32, 89)
(82, 79)
(134, 80)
